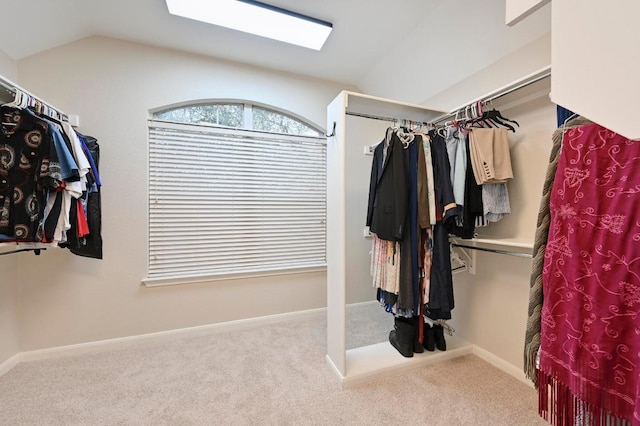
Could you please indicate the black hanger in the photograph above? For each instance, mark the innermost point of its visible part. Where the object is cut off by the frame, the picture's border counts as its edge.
(493, 118)
(495, 114)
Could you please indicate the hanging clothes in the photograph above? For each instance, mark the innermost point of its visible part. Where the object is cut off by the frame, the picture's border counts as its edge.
(90, 244)
(589, 365)
(495, 201)
(452, 141)
(26, 172)
(459, 168)
(441, 300)
(385, 265)
(44, 169)
(490, 156)
(430, 184)
(471, 207)
(401, 259)
(411, 279)
(388, 198)
(405, 302)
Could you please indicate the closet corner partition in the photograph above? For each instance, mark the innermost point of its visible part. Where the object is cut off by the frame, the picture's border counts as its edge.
(348, 279)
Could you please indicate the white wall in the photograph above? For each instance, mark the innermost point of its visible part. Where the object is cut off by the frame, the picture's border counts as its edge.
(9, 344)
(8, 67)
(112, 85)
(8, 264)
(530, 58)
(455, 40)
(360, 132)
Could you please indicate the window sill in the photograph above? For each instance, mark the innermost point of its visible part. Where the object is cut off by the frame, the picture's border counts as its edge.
(195, 279)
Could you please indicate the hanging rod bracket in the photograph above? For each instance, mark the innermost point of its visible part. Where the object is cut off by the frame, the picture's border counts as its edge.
(464, 257)
(333, 131)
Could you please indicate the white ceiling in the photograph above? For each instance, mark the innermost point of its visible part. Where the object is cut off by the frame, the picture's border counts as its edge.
(360, 31)
(374, 43)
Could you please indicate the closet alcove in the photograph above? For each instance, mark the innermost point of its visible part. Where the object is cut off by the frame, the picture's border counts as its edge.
(491, 305)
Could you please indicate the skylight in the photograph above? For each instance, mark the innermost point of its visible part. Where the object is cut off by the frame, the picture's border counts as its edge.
(256, 18)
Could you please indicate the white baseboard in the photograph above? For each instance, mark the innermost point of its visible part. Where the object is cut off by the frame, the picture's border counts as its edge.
(333, 367)
(367, 303)
(376, 362)
(99, 345)
(89, 347)
(81, 348)
(501, 364)
(6, 366)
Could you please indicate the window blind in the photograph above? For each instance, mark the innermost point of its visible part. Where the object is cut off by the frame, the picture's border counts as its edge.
(228, 201)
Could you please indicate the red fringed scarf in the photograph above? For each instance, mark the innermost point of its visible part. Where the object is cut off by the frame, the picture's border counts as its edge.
(590, 346)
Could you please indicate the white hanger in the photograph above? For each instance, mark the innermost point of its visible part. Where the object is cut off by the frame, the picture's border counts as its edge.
(17, 99)
(406, 138)
(24, 101)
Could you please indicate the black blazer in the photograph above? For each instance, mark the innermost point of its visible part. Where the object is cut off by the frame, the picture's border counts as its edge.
(388, 197)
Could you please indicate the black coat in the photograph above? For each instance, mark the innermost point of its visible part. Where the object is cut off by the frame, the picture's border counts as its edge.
(388, 198)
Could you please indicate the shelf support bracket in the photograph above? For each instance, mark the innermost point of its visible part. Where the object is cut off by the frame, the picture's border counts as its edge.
(464, 257)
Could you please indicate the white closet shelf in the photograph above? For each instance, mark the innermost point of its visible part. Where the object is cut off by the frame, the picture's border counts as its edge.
(496, 242)
(381, 360)
(515, 245)
(359, 103)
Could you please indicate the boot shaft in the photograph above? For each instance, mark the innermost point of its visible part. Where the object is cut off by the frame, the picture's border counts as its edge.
(403, 337)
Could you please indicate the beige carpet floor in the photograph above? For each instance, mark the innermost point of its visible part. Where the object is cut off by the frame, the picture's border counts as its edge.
(273, 374)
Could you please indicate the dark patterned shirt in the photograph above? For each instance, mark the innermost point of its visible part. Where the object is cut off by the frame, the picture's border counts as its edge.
(26, 173)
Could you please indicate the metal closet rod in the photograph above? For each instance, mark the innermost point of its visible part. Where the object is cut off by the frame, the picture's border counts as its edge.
(12, 87)
(36, 251)
(494, 97)
(377, 117)
(510, 253)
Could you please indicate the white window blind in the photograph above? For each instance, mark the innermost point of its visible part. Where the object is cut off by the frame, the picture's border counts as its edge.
(227, 201)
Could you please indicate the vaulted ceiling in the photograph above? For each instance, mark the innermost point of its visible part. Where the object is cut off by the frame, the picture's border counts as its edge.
(411, 48)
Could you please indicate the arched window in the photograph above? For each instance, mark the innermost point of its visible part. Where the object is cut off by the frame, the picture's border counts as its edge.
(239, 115)
(234, 188)
(230, 115)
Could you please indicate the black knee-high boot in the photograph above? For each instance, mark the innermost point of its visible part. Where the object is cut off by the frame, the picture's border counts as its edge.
(428, 341)
(438, 334)
(403, 336)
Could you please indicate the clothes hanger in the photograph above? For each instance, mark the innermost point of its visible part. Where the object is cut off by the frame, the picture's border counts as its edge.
(17, 99)
(16, 103)
(493, 119)
(26, 100)
(564, 126)
(405, 136)
(495, 114)
(387, 136)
